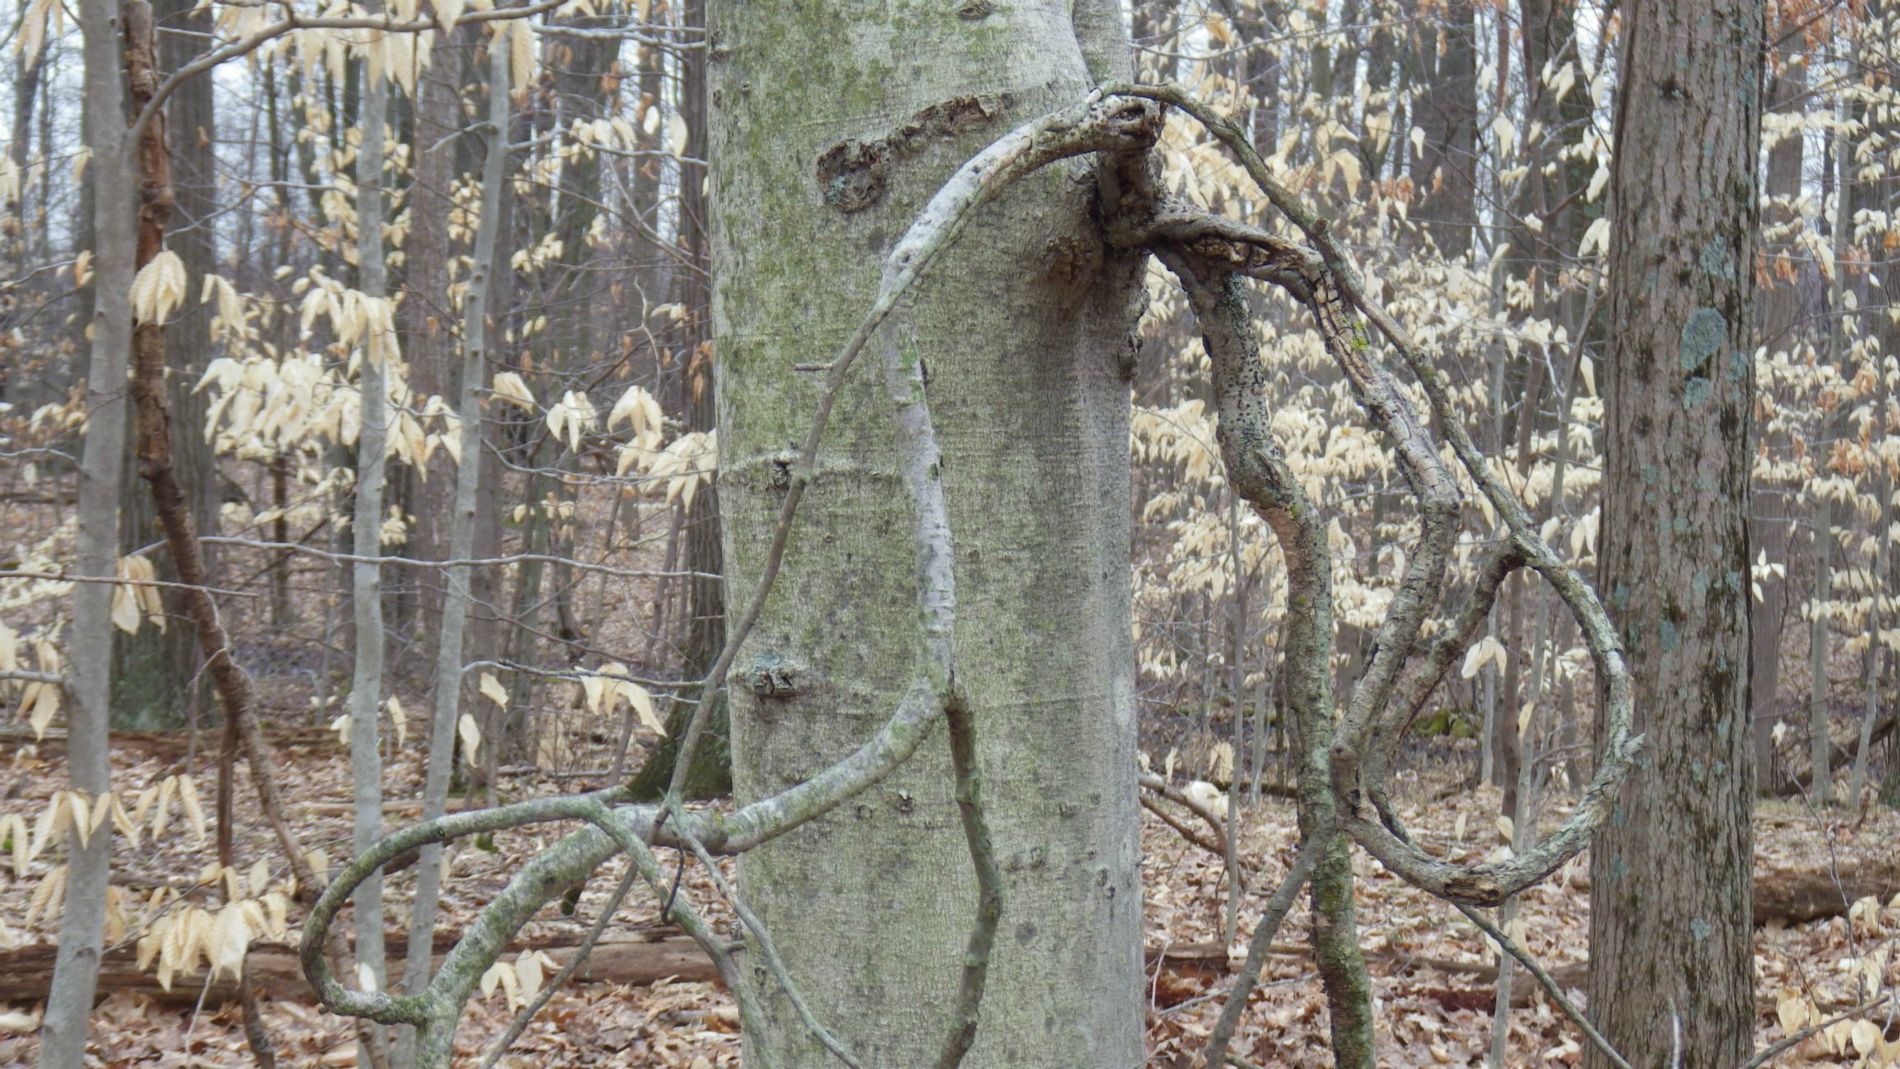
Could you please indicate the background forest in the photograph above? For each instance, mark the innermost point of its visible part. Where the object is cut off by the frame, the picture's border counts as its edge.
(456, 507)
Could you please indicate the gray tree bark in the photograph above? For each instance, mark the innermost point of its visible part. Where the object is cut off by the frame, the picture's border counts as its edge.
(101, 483)
(366, 579)
(457, 600)
(831, 125)
(1671, 969)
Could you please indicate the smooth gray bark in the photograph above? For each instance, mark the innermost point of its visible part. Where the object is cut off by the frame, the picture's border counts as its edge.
(101, 483)
(366, 579)
(1021, 331)
(458, 601)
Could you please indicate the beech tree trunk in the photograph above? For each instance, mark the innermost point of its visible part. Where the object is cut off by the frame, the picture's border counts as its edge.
(1671, 968)
(830, 126)
(366, 579)
(95, 550)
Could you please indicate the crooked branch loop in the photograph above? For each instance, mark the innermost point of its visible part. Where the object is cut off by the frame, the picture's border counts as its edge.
(1490, 883)
(1094, 125)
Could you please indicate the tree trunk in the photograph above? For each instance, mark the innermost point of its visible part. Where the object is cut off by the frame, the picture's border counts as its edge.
(831, 125)
(1672, 986)
(429, 339)
(366, 578)
(1870, 666)
(1779, 312)
(1446, 166)
(154, 671)
(705, 624)
(1820, 742)
(101, 487)
(457, 601)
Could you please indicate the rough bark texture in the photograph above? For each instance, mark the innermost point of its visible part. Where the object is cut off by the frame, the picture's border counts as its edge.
(1670, 961)
(154, 671)
(830, 127)
(1446, 166)
(705, 626)
(1778, 312)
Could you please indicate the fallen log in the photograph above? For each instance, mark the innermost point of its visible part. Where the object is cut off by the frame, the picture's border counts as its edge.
(1799, 896)
(643, 956)
(638, 957)
(1839, 756)
(627, 958)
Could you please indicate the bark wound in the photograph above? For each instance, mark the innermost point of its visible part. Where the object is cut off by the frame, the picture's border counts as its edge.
(853, 173)
(773, 677)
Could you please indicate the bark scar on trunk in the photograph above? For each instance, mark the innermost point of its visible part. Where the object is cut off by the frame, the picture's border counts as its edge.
(853, 173)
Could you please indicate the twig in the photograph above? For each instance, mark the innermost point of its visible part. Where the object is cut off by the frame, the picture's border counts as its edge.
(1151, 782)
(1149, 803)
(763, 938)
(1550, 986)
(62, 577)
(1089, 127)
(586, 947)
(989, 884)
(1257, 950)
(333, 557)
(1776, 1050)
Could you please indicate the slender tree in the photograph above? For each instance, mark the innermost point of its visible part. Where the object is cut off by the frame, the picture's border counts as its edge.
(376, 345)
(101, 489)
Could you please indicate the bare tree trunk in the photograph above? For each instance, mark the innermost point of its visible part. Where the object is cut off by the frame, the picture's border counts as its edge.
(1022, 341)
(1446, 168)
(155, 673)
(429, 341)
(27, 73)
(1820, 743)
(1674, 986)
(101, 488)
(1870, 669)
(456, 603)
(366, 595)
(1771, 522)
(704, 624)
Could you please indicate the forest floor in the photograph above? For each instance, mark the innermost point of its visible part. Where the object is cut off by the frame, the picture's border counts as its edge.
(1433, 974)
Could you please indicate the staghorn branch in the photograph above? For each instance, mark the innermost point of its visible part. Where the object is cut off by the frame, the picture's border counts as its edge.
(989, 882)
(548, 990)
(762, 938)
(1148, 781)
(1423, 676)
(1092, 126)
(1258, 471)
(1491, 882)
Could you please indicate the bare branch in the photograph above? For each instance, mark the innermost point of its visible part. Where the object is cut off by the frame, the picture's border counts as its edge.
(292, 22)
(1488, 883)
(1544, 979)
(1257, 950)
